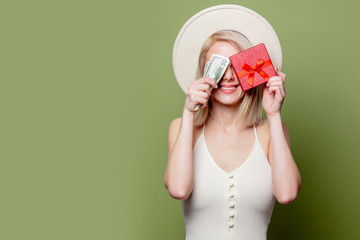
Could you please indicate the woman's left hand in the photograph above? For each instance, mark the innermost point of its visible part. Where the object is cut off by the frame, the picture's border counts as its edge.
(274, 94)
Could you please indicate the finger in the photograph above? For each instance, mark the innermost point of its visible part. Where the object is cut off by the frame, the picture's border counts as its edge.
(202, 94)
(204, 105)
(282, 75)
(197, 99)
(202, 87)
(283, 91)
(281, 88)
(208, 88)
(280, 85)
(275, 89)
(279, 73)
(210, 81)
(277, 70)
(278, 90)
(274, 79)
(197, 93)
(276, 83)
(204, 80)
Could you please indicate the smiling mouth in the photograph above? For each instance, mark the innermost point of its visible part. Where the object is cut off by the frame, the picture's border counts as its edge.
(229, 88)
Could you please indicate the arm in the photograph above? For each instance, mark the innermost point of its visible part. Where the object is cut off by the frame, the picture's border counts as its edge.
(285, 174)
(179, 171)
(286, 179)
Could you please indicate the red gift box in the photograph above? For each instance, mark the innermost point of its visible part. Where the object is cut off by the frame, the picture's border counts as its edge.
(253, 66)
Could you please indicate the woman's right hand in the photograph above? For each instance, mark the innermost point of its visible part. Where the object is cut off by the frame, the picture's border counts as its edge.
(198, 93)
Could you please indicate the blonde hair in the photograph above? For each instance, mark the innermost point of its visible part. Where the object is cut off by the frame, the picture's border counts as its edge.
(250, 107)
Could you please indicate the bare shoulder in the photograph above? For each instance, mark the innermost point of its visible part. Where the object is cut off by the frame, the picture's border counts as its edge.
(264, 127)
(174, 129)
(173, 133)
(264, 134)
(175, 124)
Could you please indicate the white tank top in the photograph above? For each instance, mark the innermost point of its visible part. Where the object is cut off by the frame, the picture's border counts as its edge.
(223, 205)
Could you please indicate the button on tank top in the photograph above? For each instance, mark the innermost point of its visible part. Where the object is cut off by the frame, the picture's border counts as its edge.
(233, 205)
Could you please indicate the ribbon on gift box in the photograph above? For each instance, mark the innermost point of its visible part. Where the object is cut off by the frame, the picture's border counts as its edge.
(248, 70)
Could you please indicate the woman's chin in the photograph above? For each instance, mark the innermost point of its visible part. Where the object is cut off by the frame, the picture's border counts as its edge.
(229, 101)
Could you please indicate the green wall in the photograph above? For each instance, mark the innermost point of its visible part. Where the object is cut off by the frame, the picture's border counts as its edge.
(88, 93)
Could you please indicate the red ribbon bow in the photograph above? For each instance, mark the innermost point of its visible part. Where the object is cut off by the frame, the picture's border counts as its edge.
(248, 70)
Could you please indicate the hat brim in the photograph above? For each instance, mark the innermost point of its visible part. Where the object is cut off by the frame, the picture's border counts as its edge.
(208, 21)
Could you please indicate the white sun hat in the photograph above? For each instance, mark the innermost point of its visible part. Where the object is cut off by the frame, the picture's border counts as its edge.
(202, 25)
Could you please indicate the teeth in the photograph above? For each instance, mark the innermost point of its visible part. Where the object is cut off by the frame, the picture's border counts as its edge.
(228, 87)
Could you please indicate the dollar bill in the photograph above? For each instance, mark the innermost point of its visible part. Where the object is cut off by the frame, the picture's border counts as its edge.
(206, 67)
(215, 69)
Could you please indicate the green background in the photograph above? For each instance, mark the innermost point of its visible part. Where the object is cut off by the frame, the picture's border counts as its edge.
(88, 93)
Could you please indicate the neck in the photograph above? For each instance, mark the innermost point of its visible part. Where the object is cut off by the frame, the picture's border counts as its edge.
(225, 117)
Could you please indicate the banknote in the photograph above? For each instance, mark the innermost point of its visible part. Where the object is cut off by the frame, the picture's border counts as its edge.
(215, 69)
(206, 67)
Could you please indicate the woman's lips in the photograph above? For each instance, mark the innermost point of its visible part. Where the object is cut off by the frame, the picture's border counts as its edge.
(228, 89)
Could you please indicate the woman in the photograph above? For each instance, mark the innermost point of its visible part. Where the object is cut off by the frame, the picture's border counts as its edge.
(226, 163)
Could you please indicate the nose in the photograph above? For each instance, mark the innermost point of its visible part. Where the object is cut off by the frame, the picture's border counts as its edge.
(229, 74)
